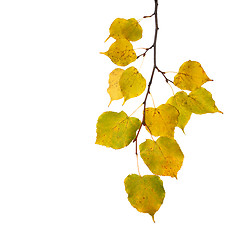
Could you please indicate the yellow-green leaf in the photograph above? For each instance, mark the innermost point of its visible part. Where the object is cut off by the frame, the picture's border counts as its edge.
(121, 52)
(200, 101)
(190, 76)
(180, 101)
(116, 130)
(161, 121)
(145, 193)
(129, 29)
(114, 89)
(163, 157)
(132, 30)
(132, 83)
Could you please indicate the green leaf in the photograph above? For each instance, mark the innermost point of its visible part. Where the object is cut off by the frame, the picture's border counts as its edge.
(163, 157)
(129, 29)
(161, 121)
(180, 101)
(116, 130)
(132, 83)
(114, 89)
(121, 52)
(190, 76)
(200, 101)
(145, 193)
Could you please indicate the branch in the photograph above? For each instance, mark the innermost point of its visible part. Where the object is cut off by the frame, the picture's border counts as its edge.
(154, 46)
(146, 50)
(155, 67)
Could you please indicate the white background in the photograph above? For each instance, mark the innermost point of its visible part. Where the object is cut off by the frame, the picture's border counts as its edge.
(55, 183)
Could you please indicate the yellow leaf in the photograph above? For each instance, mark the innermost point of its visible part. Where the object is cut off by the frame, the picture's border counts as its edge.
(116, 130)
(180, 101)
(114, 89)
(145, 193)
(132, 83)
(200, 101)
(116, 28)
(129, 29)
(161, 121)
(190, 76)
(163, 157)
(121, 52)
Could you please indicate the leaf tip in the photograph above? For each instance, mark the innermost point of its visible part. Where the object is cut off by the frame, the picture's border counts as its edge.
(153, 218)
(105, 53)
(124, 101)
(107, 38)
(220, 111)
(183, 130)
(110, 103)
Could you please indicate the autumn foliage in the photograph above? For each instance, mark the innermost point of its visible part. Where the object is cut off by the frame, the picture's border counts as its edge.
(163, 156)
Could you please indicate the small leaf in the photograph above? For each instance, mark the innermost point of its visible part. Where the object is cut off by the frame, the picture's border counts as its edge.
(121, 52)
(116, 28)
(200, 101)
(129, 29)
(132, 83)
(161, 121)
(145, 193)
(132, 30)
(163, 157)
(190, 76)
(116, 130)
(180, 101)
(114, 89)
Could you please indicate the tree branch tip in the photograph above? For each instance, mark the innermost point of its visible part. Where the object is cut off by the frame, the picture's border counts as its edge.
(149, 15)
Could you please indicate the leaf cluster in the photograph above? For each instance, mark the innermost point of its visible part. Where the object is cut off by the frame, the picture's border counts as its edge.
(163, 155)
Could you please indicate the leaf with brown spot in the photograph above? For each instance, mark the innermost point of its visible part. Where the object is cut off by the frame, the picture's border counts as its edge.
(190, 76)
(116, 130)
(161, 121)
(163, 157)
(145, 193)
(121, 52)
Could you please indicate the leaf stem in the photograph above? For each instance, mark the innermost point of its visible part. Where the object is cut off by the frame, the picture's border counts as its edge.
(135, 110)
(138, 165)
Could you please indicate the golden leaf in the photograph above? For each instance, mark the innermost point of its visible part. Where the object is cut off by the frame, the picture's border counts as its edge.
(129, 29)
(161, 121)
(163, 157)
(190, 76)
(114, 89)
(121, 52)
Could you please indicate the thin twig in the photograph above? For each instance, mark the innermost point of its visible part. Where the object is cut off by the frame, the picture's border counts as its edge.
(164, 75)
(149, 16)
(146, 50)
